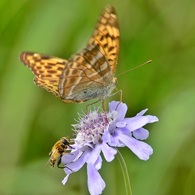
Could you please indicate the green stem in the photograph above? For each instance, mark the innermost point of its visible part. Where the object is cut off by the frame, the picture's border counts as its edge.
(125, 173)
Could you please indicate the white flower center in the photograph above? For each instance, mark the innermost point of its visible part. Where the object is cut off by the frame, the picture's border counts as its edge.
(91, 127)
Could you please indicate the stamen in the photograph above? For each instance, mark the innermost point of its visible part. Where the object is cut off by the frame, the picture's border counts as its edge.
(91, 126)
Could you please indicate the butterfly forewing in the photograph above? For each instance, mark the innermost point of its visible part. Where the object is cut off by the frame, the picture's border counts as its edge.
(47, 69)
(107, 35)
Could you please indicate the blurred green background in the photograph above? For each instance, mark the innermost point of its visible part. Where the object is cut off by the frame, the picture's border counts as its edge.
(32, 120)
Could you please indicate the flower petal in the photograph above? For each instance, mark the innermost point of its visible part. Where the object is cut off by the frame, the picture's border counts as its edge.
(71, 157)
(95, 182)
(65, 179)
(152, 119)
(141, 149)
(121, 124)
(141, 134)
(113, 105)
(120, 107)
(142, 112)
(94, 154)
(114, 141)
(98, 163)
(139, 121)
(108, 152)
(76, 165)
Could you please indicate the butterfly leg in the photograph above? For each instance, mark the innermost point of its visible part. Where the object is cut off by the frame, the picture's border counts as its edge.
(104, 104)
(121, 94)
(104, 108)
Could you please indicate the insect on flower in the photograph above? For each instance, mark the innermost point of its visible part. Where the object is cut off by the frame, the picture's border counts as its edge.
(86, 75)
(97, 139)
(59, 149)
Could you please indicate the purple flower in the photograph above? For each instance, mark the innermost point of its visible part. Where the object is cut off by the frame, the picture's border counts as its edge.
(99, 132)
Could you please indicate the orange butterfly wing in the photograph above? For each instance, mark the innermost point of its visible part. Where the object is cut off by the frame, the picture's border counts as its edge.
(107, 36)
(88, 74)
(47, 70)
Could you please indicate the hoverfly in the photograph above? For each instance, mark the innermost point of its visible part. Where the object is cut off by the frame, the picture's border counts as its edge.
(59, 148)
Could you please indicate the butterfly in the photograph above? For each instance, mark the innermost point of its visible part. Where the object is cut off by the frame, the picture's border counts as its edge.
(86, 75)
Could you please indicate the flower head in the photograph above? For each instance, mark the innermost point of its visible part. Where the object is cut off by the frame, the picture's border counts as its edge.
(100, 133)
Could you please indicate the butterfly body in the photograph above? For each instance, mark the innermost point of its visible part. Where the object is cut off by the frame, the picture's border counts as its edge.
(88, 74)
(85, 94)
(95, 79)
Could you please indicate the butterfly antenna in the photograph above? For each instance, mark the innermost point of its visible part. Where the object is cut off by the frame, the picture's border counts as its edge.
(148, 62)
